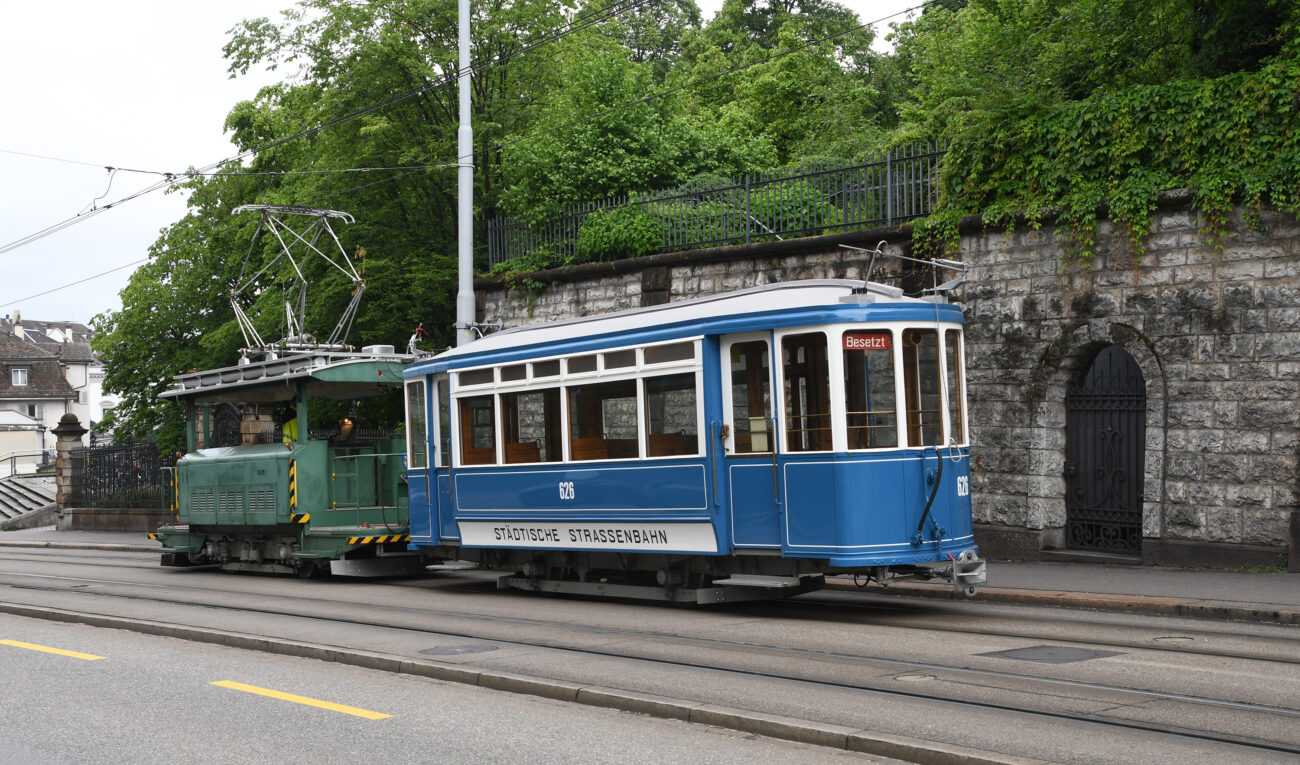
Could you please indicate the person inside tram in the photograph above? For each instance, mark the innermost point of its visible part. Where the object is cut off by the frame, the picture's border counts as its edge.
(289, 424)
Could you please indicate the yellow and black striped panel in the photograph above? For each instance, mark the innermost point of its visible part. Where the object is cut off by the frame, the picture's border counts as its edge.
(300, 517)
(379, 540)
(293, 486)
(154, 537)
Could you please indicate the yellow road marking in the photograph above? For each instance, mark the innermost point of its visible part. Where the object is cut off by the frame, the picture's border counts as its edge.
(47, 649)
(347, 710)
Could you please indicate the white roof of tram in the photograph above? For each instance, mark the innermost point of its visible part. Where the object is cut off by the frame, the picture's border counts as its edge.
(766, 298)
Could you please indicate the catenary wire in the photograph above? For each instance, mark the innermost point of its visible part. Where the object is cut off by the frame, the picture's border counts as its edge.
(207, 170)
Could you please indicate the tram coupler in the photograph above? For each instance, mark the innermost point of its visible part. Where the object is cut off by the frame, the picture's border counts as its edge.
(967, 573)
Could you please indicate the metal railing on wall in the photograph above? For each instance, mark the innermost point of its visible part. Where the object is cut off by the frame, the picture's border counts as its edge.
(129, 475)
(822, 197)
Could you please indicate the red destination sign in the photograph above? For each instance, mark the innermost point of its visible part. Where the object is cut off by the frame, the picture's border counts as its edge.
(864, 341)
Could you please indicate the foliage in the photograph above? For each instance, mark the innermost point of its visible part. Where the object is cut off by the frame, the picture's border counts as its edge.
(623, 232)
(1088, 105)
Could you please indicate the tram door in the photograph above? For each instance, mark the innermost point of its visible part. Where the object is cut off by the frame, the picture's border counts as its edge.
(440, 486)
(417, 461)
(751, 444)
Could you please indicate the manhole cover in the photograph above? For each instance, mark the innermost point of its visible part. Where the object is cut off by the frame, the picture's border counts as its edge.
(1051, 654)
(455, 650)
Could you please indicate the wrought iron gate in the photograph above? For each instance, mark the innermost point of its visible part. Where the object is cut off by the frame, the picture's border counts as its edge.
(1104, 454)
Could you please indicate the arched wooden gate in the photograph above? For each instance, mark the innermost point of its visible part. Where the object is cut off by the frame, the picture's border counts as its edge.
(1104, 455)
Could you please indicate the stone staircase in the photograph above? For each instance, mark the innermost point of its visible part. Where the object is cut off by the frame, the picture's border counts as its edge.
(26, 501)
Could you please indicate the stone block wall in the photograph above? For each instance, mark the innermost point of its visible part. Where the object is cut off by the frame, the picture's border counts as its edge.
(1216, 334)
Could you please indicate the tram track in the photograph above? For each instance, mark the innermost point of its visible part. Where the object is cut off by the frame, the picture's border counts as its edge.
(743, 658)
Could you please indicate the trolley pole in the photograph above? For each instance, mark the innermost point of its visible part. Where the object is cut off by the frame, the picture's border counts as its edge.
(465, 192)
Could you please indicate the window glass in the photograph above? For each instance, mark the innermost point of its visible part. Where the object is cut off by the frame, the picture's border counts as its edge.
(807, 393)
(751, 397)
(956, 393)
(19, 376)
(671, 417)
(514, 372)
(477, 431)
(582, 364)
(444, 419)
(475, 377)
(869, 400)
(921, 380)
(660, 354)
(620, 359)
(531, 426)
(546, 368)
(603, 421)
(417, 428)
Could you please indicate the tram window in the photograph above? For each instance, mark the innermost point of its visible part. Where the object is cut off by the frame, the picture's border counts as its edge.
(662, 354)
(620, 359)
(478, 444)
(869, 399)
(417, 426)
(956, 394)
(581, 364)
(751, 398)
(671, 417)
(807, 393)
(514, 372)
(531, 426)
(475, 377)
(921, 380)
(546, 368)
(444, 419)
(603, 421)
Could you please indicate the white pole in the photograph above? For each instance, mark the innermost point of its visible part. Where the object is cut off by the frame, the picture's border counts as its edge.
(465, 192)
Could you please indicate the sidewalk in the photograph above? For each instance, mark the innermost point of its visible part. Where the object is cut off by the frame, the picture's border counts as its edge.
(1196, 593)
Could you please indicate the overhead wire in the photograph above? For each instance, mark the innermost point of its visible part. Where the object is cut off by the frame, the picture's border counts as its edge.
(171, 178)
(570, 28)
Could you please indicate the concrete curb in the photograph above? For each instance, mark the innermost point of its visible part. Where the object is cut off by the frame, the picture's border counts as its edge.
(742, 720)
(1150, 605)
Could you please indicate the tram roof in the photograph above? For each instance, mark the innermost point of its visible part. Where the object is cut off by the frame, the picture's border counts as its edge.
(325, 374)
(811, 301)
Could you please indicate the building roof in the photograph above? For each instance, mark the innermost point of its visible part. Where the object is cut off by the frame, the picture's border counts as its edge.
(48, 332)
(12, 348)
(45, 379)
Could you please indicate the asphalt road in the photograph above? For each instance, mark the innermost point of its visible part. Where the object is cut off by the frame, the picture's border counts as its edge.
(951, 679)
(114, 696)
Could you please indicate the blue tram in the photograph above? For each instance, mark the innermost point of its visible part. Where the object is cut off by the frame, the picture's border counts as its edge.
(726, 447)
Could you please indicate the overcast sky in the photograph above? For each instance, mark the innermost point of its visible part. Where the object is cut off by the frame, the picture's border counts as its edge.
(137, 84)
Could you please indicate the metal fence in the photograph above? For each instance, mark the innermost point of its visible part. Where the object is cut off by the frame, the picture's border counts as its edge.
(129, 476)
(822, 197)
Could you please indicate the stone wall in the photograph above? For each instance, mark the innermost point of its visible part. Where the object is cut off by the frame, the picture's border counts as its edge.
(1216, 335)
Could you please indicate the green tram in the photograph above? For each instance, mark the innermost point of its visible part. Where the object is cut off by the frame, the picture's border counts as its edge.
(256, 492)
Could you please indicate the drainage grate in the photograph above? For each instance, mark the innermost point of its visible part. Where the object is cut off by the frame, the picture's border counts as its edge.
(1051, 654)
(456, 650)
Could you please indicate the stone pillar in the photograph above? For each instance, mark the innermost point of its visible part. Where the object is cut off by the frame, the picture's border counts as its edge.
(69, 433)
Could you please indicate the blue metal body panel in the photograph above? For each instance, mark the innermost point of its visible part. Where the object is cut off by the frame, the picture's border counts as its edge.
(417, 488)
(634, 490)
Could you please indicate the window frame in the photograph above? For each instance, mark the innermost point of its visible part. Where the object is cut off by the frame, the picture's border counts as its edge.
(564, 381)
